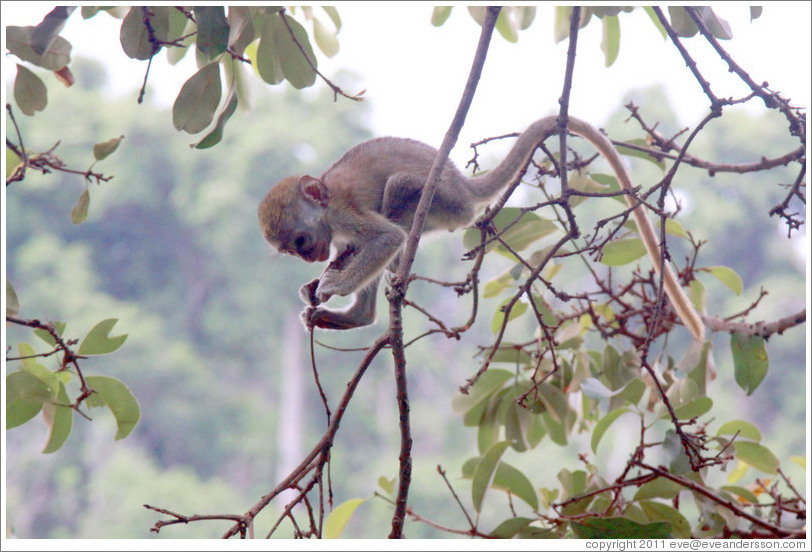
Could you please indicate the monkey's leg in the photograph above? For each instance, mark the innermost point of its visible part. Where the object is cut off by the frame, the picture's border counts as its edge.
(451, 206)
(361, 312)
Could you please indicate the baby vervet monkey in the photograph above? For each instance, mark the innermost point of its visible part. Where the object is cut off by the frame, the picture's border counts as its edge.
(365, 202)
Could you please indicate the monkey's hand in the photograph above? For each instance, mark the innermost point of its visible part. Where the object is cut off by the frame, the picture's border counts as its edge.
(332, 282)
(308, 293)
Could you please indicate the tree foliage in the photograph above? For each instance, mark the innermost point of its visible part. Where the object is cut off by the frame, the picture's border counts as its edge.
(580, 345)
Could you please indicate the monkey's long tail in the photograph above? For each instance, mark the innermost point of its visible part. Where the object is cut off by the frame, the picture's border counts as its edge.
(487, 186)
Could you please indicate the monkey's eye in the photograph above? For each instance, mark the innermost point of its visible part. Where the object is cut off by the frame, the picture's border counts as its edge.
(301, 242)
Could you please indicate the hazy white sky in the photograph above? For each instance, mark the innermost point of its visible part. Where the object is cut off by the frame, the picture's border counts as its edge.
(413, 73)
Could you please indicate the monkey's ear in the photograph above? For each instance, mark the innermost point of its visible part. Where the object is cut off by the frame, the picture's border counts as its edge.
(314, 190)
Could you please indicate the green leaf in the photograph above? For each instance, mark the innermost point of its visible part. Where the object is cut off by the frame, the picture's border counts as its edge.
(555, 400)
(682, 22)
(741, 492)
(440, 14)
(266, 58)
(295, 66)
(59, 419)
(30, 92)
(198, 99)
(658, 488)
(241, 28)
(499, 315)
(621, 252)
(24, 397)
(99, 342)
(750, 360)
(604, 424)
(508, 528)
(508, 478)
(742, 428)
(728, 277)
(40, 372)
(49, 28)
(656, 20)
(79, 212)
(19, 40)
(596, 390)
(529, 229)
(757, 456)
(693, 409)
(212, 30)
(657, 511)
(325, 38)
(610, 44)
(506, 26)
(12, 302)
(104, 149)
(13, 162)
(337, 519)
(135, 36)
(561, 29)
(487, 384)
(119, 399)
(485, 471)
(332, 12)
(59, 328)
(213, 138)
(620, 528)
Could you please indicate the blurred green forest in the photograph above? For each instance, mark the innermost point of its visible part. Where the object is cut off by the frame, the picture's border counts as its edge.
(217, 357)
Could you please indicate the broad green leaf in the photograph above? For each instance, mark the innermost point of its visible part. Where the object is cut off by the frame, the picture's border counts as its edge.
(511, 354)
(59, 327)
(79, 212)
(47, 377)
(740, 428)
(561, 29)
(485, 471)
(750, 360)
(104, 149)
(657, 511)
(658, 488)
(654, 19)
(621, 252)
(49, 28)
(266, 58)
(604, 424)
(508, 528)
(506, 25)
(633, 391)
(99, 342)
(119, 399)
(332, 13)
(325, 38)
(756, 456)
(241, 28)
(489, 426)
(296, 65)
(528, 230)
(212, 30)
(13, 162)
(135, 35)
(693, 409)
(620, 528)
(59, 419)
(738, 472)
(508, 478)
(198, 99)
(499, 315)
(682, 22)
(440, 14)
(495, 286)
(488, 383)
(717, 26)
(213, 138)
(24, 397)
(18, 42)
(555, 400)
(595, 390)
(30, 92)
(12, 302)
(610, 44)
(675, 228)
(741, 492)
(728, 277)
(337, 519)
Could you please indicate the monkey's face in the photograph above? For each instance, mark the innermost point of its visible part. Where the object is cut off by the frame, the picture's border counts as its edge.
(293, 224)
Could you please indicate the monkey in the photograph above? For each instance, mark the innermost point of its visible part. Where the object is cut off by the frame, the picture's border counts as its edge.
(364, 203)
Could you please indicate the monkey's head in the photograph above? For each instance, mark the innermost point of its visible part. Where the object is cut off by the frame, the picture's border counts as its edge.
(292, 218)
